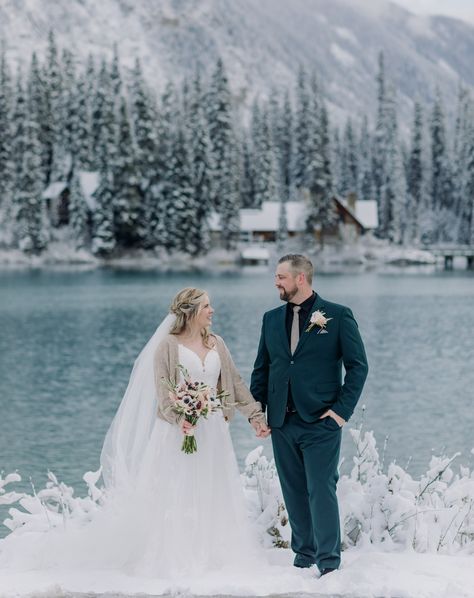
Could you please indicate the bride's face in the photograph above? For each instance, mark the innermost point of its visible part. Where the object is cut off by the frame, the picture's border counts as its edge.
(204, 317)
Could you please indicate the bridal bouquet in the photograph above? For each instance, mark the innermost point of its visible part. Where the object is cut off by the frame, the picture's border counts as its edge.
(193, 400)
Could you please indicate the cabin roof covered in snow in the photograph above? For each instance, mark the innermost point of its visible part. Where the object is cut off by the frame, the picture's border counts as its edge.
(54, 189)
(367, 213)
(89, 183)
(266, 218)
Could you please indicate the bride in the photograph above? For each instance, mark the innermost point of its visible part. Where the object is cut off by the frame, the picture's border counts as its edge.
(166, 514)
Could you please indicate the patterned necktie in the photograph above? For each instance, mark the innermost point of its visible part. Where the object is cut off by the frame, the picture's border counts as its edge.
(295, 328)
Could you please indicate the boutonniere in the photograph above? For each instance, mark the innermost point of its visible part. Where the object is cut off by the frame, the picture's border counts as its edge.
(318, 318)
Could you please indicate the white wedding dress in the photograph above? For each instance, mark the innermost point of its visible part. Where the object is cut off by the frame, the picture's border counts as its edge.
(185, 515)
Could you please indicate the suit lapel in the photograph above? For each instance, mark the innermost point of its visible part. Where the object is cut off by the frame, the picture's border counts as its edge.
(318, 304)
(281, 326)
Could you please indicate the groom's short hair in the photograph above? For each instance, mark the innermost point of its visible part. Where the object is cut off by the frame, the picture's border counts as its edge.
(298, 264)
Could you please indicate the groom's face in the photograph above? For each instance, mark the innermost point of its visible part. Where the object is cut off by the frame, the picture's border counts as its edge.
(285, 282)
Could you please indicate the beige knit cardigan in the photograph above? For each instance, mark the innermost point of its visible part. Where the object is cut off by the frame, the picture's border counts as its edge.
(165, 361)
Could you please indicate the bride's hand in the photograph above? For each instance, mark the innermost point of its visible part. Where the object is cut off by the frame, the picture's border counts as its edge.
(261, 429)
(186, 427)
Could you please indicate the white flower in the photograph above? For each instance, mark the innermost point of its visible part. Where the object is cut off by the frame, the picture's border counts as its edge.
(318, 318)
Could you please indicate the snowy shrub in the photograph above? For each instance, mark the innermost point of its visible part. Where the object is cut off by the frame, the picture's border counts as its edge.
(388, 508)
(53, 506)
(265, 500)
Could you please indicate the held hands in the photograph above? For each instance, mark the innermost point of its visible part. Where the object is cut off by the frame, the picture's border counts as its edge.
(335, 416)
(261, 428)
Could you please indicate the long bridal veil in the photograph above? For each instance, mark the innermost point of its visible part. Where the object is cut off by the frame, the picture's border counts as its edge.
(131, 427)
(108, 533)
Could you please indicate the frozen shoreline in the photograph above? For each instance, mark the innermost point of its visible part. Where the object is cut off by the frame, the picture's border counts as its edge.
(359, 257)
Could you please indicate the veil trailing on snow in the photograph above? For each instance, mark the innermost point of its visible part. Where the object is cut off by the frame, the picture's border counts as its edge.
(132, 425)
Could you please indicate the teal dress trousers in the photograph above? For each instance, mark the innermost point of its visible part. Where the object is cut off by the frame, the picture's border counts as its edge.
(306, 448)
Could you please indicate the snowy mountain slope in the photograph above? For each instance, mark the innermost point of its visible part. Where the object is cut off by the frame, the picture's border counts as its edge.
(261, 41)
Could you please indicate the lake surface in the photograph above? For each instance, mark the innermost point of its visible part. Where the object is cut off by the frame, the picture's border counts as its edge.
(68, 341)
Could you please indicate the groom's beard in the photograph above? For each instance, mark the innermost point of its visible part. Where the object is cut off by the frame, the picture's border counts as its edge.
(288, 295)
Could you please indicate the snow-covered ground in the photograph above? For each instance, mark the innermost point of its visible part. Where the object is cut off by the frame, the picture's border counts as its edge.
(365, 573)
(402, 537)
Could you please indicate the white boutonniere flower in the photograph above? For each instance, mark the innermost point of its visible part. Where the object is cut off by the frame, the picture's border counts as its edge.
(318, 318)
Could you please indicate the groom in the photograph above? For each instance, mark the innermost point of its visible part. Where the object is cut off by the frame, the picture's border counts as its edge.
(297, 378)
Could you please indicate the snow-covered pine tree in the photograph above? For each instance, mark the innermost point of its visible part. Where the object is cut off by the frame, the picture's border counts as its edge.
(285, 141)
(78, 215)
(50, 133)
(300, 135)
(67, 120)
(129, 202)
(81, 130)
(462, 146)
(393, 199)
(276, 124)
(415, 179)
(365, 189)
(164, 221)
(7, 167)
(468, 211)
(464, 160)
(350, 159)
(247, 191)
(39, 106)
(265, 168)
(441, 183)
(103, 238)
(104, 125)
(336, 161)
(31, 221)
(321, 212)
(380, 142)
(191, 224)
(84, 111)
(203, 167)
(115, 77)
(226, 154)
(282, 233)
(147, 154)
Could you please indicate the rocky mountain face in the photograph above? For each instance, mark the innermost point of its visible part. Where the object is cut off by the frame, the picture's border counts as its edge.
(262, 43)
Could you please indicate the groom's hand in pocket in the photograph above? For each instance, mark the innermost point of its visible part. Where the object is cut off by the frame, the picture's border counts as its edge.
(335, 416)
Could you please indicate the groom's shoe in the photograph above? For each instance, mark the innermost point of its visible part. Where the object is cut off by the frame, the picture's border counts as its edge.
(326, 570)
(303, 561)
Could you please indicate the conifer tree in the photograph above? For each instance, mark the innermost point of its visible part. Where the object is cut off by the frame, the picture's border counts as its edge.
(7, 167)
(301, 150)
(379, 154)
(32, 228)
(78, 216)
(415, 178)
(365, 188)
(103, 238)
(441, 184)
(129, 202)
(50, 133)
(226, 154)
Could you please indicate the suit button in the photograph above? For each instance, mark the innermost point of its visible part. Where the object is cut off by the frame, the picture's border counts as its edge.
(292, 362)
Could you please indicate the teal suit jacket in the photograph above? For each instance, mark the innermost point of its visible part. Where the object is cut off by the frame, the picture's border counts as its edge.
(315, 368)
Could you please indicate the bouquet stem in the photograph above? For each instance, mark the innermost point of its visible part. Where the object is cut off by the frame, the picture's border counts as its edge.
(189, 445)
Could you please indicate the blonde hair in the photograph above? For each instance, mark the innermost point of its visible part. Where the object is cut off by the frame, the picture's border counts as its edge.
(186, 306)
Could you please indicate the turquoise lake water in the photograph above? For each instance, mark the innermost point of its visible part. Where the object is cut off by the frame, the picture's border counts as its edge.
(68, 340)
